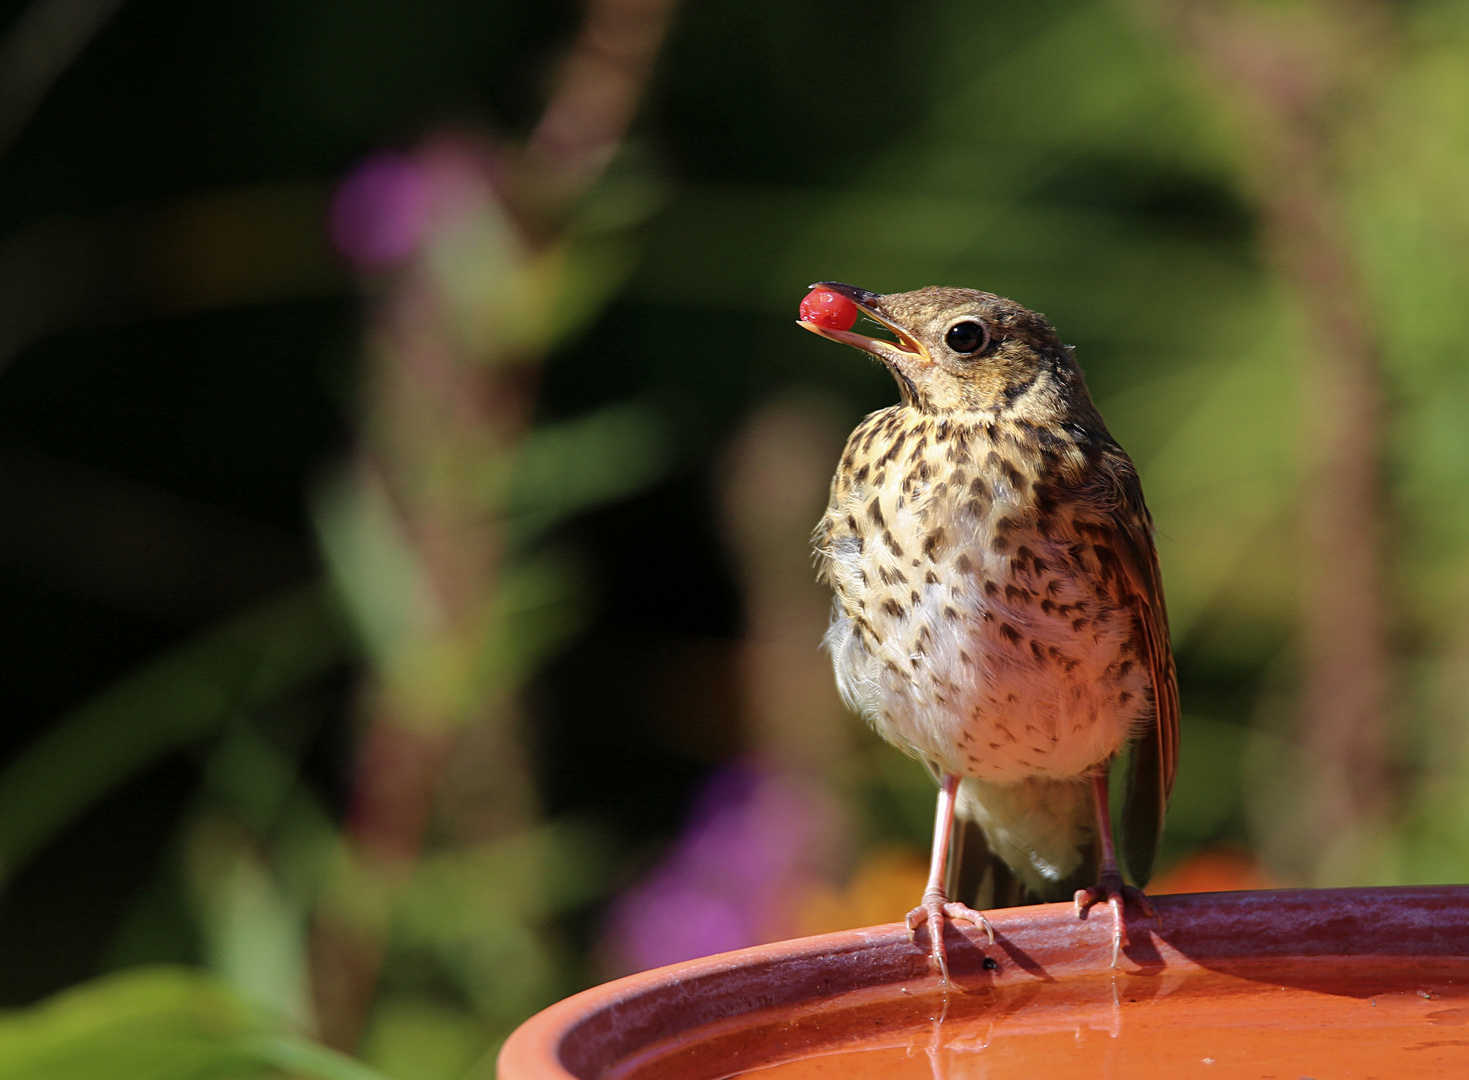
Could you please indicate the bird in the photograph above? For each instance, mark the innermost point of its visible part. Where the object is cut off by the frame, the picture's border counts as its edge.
(998, 608)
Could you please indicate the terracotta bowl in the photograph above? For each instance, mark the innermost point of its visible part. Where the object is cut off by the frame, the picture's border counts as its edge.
(1309, 983)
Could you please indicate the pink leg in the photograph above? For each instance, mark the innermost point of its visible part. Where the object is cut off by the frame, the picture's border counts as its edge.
(935, 905)
(1109, 886)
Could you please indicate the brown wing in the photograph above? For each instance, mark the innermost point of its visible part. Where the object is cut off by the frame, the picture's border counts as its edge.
(1154, 752)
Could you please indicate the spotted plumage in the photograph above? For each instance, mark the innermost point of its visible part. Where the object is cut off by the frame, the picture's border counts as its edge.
(999, 612)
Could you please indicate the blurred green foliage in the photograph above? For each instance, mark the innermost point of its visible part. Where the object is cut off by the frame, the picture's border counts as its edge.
(159, 1024)
(216, 562)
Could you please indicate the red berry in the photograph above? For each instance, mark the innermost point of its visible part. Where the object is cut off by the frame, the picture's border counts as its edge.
(826, 308)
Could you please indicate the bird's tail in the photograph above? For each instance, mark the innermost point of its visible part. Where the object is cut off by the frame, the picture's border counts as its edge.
(977, 876)
(1029, 843)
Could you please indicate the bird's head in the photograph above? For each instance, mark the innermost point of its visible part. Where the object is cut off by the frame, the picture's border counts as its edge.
(963, 350)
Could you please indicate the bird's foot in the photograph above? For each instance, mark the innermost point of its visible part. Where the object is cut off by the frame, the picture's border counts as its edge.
(1111, 891)
(931, 913)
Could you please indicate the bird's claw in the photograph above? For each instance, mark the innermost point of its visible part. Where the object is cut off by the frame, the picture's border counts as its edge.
(931, 913)
(1111, 891)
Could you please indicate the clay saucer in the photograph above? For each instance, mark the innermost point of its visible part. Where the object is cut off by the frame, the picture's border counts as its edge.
(1288, 984)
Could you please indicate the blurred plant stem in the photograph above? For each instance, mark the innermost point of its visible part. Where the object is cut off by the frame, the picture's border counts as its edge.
(1296, 76)
(418, 535)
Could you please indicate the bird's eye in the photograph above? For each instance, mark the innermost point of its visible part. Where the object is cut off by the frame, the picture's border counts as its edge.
(966, 338)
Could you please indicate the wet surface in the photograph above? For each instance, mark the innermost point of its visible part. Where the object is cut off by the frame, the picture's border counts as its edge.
(1321, 1018)
(1321, 984)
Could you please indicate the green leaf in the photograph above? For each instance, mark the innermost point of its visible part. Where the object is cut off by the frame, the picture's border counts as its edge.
(576, 464)
(304, 1058)
(152, 1024)
(158, 1023)
(371, 565)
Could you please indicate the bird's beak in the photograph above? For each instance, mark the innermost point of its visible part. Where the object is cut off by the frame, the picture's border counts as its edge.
(904, 351)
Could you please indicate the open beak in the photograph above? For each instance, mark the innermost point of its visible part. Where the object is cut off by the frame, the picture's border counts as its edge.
(903, 351)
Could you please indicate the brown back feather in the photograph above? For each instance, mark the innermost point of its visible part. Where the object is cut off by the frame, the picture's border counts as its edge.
(1153, 760)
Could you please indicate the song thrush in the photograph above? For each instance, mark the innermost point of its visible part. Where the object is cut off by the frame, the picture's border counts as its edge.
(998, 611)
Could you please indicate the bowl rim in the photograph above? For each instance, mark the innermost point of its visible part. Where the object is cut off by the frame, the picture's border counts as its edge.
(585, 1035)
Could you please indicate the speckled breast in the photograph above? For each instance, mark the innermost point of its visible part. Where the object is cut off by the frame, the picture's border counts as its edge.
(973, 624)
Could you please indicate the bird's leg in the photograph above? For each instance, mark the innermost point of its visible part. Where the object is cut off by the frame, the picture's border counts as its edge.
(1109, 886)
(935, 904)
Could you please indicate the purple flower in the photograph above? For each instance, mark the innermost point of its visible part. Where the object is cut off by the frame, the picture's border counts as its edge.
(378, 214)
(753, 837)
